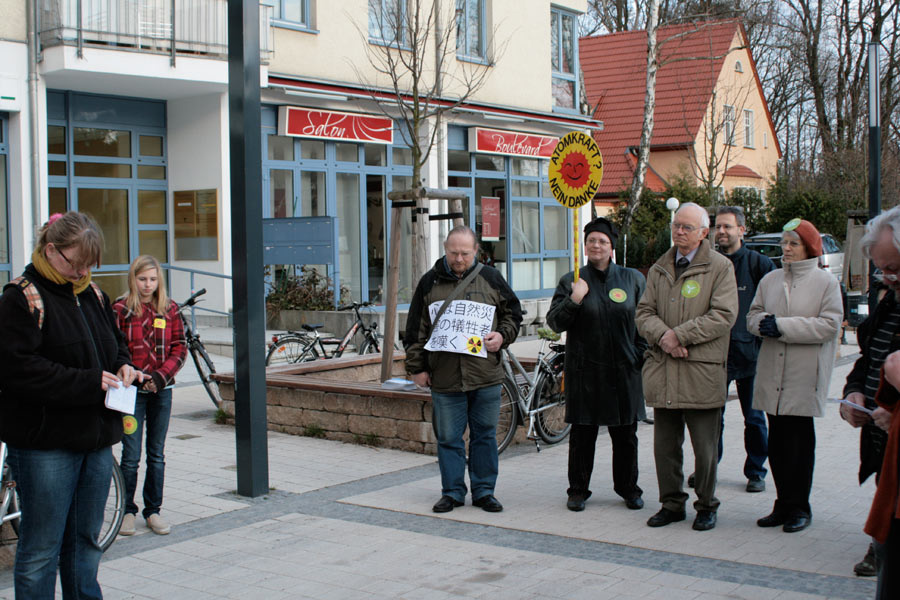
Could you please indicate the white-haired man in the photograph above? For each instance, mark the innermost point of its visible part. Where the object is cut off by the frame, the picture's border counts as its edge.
(686, 315)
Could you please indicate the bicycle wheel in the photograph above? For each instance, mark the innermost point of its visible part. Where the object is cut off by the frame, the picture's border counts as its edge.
(509, 415)
(291, 349)
(551, 397)
(206, 369)
(370, 347)
(115, 509)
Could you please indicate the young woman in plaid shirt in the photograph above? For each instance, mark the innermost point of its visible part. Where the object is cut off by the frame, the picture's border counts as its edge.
(153, 328)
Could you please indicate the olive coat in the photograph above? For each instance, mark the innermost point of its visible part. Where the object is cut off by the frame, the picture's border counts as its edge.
(604, 352)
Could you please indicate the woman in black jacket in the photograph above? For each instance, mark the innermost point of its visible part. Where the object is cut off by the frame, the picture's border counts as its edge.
(61, 351)
(604, 354)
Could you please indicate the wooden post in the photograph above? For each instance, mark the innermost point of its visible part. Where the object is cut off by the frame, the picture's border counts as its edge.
(390, 316)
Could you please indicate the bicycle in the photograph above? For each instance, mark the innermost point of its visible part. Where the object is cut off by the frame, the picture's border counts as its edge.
(205, 366)
(10, 511)
(293, 346)
(539, 396)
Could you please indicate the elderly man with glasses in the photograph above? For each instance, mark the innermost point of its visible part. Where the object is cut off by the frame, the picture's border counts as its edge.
(686, 315)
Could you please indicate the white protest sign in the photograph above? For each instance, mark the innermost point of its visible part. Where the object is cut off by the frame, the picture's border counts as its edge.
(462, 327)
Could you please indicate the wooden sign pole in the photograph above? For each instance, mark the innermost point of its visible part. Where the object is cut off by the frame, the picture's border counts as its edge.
(576, 238)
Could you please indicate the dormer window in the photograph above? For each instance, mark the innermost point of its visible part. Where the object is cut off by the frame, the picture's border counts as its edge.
(738, 67)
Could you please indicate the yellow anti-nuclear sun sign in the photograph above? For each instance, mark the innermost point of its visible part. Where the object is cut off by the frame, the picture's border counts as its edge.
(575, 170)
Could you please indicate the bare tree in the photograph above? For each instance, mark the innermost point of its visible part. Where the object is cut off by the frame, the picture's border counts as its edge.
(413, 65)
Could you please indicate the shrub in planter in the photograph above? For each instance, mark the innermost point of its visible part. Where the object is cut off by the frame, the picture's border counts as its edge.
(308, 291)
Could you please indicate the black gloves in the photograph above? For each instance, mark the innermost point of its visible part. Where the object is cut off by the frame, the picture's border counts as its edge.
(768, 328)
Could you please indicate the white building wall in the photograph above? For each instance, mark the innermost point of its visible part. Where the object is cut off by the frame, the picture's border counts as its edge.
(198, 159)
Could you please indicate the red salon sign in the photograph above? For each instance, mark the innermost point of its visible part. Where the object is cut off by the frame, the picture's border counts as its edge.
(496, 141)
(331, 125)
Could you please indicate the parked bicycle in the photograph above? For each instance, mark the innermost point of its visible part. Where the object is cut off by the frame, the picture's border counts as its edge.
(538, 396)
(294, 346)
(10, 511)
(205, 366)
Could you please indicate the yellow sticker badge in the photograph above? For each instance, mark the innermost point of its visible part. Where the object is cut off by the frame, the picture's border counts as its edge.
(618, 295)
(575, 169)
(791, 225)
(130, 424)
(690, 288)
(473, 344)
(159, 323)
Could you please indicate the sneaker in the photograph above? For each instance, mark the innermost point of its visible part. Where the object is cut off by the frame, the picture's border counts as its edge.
(158, 525)
(127, 527)
(755, 486)
(867, 567)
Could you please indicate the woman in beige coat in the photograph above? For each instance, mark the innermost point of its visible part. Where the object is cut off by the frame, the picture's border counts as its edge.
(798, 311)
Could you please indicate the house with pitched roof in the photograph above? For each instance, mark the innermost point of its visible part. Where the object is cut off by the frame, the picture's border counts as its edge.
(711, 121)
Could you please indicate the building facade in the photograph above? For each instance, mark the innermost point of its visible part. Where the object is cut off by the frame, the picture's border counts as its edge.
(121, 111)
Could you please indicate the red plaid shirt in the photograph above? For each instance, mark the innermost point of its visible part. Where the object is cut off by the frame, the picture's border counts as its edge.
(156, 341)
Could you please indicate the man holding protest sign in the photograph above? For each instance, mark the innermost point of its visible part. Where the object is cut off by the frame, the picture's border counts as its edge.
(461, 315)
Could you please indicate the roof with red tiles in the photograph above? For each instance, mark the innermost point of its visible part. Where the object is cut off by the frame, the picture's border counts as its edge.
(615, 67)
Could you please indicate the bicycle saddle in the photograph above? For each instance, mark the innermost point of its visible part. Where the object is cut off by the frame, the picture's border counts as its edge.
(312, 327)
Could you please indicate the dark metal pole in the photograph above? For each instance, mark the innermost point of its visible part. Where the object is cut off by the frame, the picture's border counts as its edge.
(874, 150)
(247, 248)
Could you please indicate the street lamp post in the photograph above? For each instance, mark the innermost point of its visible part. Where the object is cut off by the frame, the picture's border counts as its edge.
(874, 151)
(672, 205)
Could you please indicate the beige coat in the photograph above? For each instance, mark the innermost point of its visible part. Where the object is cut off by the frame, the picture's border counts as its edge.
(700, 306)
(794, 371)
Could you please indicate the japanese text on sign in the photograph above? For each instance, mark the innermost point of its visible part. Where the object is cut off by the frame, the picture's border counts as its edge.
(462, 328)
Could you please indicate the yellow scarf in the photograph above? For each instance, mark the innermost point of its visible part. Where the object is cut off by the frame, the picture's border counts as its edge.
(44, 267)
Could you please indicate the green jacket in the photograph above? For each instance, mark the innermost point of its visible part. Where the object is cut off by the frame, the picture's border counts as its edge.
(450, 371)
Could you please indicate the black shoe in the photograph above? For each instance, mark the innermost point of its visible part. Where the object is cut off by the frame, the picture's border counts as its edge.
(773, 520)
(445, 504)
(636, 503)
(575, 503)
(705, 520)
(664, 517)
(488, 503)
(756, 485)
(691, 480)
(867, 567)
(796, 523)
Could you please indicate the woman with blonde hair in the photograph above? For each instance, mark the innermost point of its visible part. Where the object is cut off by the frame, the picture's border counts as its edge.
(61, 351)
(155, 335)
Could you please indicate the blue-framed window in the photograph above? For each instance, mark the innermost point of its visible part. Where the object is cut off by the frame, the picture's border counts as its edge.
(291, 13)
(532, 248)
(116, 169)
(4, 199)
(470, 30)
(387, 19)
(564, 60)
(349, 181)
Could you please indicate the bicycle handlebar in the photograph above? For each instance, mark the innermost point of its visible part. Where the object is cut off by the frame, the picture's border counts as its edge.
(193, 299)
(354, 305)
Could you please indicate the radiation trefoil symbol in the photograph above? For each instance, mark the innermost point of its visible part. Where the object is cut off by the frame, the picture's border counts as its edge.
(474, 344)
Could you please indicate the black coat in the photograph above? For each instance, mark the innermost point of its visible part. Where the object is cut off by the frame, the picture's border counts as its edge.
(50, 394)
(749, 268)
(604, 352)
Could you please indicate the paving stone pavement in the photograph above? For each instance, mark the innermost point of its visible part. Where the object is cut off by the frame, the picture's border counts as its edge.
(345, 521)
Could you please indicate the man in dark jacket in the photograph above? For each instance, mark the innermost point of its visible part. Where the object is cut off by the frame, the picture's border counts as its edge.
(604, 354)
(459, 357)
(749, 268)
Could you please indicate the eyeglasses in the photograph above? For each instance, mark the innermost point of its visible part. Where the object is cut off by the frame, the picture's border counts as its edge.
(882, 276)
(70, 263)
(790, 243)
(684, 228)
(600, 242)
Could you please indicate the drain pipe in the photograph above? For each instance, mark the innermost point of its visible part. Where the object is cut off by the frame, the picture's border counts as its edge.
(34, 124)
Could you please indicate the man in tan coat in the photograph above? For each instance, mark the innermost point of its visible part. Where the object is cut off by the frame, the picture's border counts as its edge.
(686, 315)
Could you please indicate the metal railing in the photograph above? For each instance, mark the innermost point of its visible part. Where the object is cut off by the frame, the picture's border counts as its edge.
(193, 273)
(196, 27)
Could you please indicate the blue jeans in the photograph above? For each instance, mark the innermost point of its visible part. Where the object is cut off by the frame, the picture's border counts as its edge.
(756, 435)
(479, 409)
(154, 411)
(63, 497)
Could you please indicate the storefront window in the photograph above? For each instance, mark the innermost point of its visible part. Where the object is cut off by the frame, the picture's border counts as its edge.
(556, 224)
(347, 191)
(403, 156)
(375, 155)
(489, 162)
(312, 194)
(154, 243)
(281, 147)
(281, 193)
(57, 200)
(56, 139)
(526, 273)
(458, 160)
(312, 150)
(527, 167)
(88, 141)
(109, 207)
(526, 227)
(554, 268)
(150, 145)
(346, 152)
(151, 207)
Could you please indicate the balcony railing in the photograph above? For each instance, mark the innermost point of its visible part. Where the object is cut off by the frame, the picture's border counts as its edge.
(174, 27)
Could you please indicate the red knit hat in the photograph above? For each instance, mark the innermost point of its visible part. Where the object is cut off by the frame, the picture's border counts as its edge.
(808, 234)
